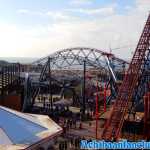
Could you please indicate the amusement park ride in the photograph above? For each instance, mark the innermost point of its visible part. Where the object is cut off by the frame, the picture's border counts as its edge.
(77, 59)
(131, 81)
(129, 95)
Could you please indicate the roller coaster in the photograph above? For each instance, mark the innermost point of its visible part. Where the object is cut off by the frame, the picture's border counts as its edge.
(109, 67)
(134, 83)
(128, 82)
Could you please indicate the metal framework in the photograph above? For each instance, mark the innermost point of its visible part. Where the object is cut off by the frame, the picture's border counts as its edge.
(131, 80)
(143, 85)
(147, 116)
(76, 57)
(9, 76)
(79, 58)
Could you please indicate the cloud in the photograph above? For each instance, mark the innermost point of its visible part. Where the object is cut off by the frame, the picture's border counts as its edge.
(109, 10)
(14, 41)
(143, 5)
(23, 11)
(81, 2)
(29, 12)
(116, 30)
(56, 15)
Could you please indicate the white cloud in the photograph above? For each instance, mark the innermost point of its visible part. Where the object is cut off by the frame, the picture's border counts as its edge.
(56, 15)
(14, 41)
(106, 11)
(143, 5)
(116, 30)
(23, 11)
(109, 10)
(29, 12)
(81, 2)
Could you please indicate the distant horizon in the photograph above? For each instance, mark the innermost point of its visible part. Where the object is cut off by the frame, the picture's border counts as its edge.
(39, 28)
(29, 59)
(19, 59)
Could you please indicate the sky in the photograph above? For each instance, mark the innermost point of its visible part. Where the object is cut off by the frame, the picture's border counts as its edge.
(36, 28)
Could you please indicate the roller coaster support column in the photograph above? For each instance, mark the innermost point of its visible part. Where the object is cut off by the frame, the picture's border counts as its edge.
(105, 88)
(147, 116)
(83, 86)
(2, 90)
(50, 83)
(96, 113)
(18, 72)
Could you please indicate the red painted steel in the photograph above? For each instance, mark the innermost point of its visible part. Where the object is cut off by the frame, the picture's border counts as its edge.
(145, 111)
(147, 115)
(105, 94)
(96, 113)
(114, 125)
(148, 105)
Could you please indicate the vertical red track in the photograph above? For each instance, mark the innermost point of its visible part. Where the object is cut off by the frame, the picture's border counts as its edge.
(147, 115)
(145, 112)
(114, 125)
(96, 112)
(105, 88)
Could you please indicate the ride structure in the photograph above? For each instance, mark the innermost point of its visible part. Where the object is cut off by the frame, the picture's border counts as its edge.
(132, 80)
(73, 59)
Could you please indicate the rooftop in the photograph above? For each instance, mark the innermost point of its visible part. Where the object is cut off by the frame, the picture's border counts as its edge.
(19, 129)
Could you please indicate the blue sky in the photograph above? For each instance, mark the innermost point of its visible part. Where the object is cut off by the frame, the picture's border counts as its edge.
(35, 28)
(10, 8)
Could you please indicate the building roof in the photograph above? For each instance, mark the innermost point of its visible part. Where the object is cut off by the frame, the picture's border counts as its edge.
(18, 128)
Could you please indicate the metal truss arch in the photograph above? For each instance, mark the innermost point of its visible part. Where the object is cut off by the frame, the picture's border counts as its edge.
(74, 62)
(76, 57)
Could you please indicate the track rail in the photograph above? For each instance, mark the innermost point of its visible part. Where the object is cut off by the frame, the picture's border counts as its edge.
(114, 124)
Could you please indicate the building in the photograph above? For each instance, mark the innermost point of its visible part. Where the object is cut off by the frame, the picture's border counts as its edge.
(26, 131)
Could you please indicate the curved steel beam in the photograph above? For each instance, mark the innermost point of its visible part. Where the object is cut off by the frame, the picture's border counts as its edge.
(76, 56)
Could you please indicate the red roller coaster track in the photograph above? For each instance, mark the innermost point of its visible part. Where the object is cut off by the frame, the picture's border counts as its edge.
(115, 122)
